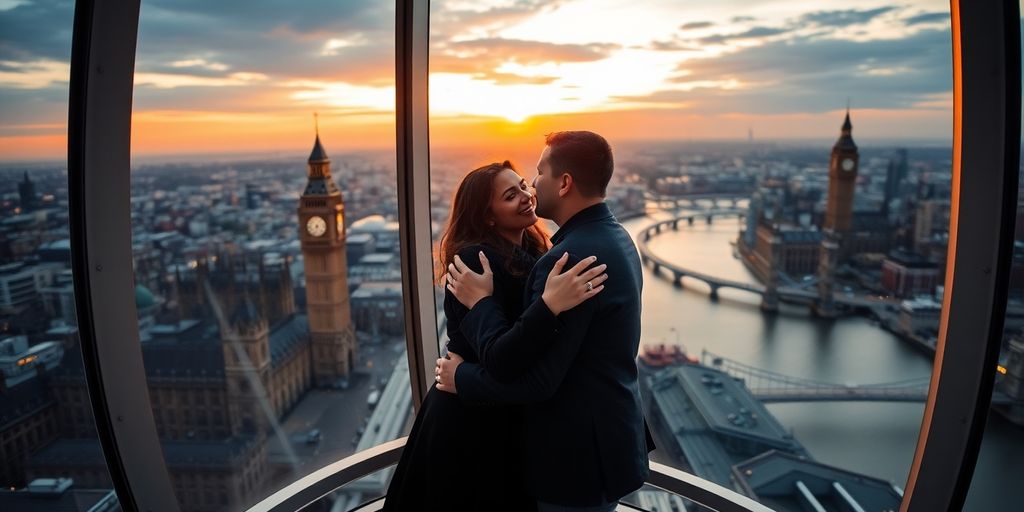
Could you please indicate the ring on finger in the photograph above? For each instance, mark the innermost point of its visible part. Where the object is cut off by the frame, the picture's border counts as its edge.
(590, 286)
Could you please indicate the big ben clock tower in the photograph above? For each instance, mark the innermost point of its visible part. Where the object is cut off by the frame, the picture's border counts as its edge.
(322, 235)
(842, 178)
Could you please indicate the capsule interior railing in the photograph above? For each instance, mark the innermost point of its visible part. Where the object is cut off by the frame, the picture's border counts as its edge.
(322, 482)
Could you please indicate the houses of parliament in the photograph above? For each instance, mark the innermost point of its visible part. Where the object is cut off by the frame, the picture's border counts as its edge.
(226, 356)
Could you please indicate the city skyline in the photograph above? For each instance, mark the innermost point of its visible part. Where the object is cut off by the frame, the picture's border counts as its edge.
(250, 209)
(219, 79)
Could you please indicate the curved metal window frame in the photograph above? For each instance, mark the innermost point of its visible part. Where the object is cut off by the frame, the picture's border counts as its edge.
(986, 150)
(986, 58)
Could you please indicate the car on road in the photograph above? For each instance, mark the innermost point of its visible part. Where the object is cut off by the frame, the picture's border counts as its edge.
(313, 436)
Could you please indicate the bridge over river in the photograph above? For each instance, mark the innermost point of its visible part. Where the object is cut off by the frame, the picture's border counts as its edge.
(790, 293)
(772, 387)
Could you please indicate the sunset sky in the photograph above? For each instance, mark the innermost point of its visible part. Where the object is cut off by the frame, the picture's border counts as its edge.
(237, 76)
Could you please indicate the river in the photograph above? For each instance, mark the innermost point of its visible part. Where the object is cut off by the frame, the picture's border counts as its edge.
(875, 438)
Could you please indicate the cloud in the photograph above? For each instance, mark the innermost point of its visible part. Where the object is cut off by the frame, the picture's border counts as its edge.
(816, 75)
(928, 17)
(514, 79)
(834, 19)
(200, 63)
(238, 56)
(213, 38)
(843, 18)
(35, 31)
(753, 33)
(174, 81)
(675, 45)
(312, 17)
(484, 59)
(33, 75)
(694, 25)
(528, 52)
(33, 107)
(452, 20)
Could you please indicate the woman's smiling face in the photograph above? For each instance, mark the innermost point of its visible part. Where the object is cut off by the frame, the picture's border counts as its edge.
(512, 202)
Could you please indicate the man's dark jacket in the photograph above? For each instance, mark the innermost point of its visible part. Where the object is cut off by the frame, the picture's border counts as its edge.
(585, 440)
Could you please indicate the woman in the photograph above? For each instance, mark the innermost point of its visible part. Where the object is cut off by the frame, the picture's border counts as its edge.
(462, 458)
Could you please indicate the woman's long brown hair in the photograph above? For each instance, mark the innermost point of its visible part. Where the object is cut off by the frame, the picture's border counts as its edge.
(467, 224)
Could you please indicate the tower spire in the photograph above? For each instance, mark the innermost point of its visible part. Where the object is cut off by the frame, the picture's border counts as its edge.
(318, 155)
(847, 125)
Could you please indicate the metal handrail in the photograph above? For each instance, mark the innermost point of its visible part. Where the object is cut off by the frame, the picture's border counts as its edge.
(314, 486)
(701, 491)
(310, 488)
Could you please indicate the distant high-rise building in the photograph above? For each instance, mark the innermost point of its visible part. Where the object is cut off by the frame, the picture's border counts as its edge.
(322, 235)
(931, 223)
(895, 174)
(27, 194)
(252, 196)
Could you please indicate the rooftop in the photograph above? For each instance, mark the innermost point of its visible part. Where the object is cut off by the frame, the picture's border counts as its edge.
(377, 289)
(379, 258)
(910, 260)
(57, 495)
(786, 482)
(715, 420)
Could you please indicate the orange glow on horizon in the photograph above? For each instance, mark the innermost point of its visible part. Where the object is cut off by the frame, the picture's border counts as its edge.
(34, 147)
(187, 132)
(505, 76)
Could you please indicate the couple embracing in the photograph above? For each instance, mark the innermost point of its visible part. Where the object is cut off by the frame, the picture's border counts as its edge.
(537, 405)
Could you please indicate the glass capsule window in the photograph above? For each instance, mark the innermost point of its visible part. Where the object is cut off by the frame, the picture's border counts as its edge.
(784, 170)
(265, 242)
(49, 450)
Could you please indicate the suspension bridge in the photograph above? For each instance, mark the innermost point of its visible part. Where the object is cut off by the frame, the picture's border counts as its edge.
(771, 387)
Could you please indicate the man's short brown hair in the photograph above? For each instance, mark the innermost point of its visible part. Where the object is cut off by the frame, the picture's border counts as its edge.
(586, 156)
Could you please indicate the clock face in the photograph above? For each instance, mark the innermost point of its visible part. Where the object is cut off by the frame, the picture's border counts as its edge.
(847, 164)
(316, 226)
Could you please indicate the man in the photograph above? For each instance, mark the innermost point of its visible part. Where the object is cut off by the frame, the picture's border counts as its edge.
(585, 441)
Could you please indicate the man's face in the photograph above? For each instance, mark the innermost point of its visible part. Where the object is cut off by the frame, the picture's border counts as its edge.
(545, 186)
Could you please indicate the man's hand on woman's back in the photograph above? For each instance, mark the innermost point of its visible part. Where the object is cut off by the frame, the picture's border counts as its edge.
(566, 290)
